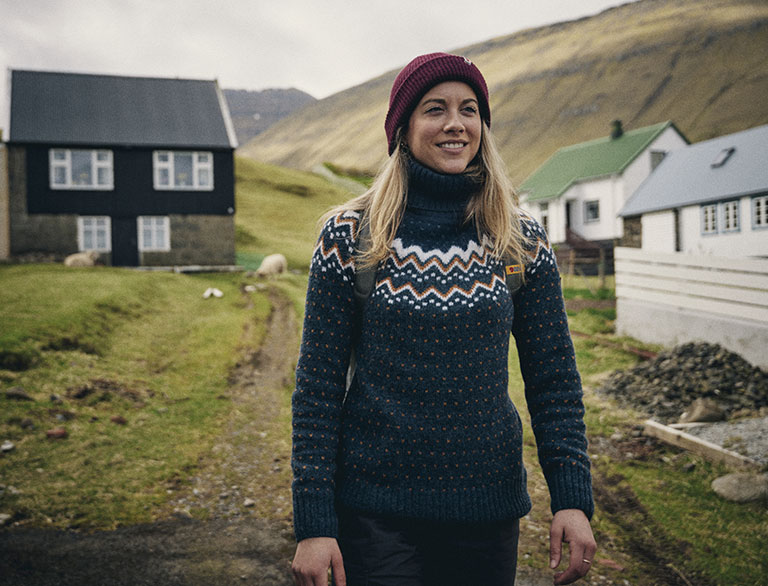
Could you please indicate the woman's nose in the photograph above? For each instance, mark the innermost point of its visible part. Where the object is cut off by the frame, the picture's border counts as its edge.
(453, 123)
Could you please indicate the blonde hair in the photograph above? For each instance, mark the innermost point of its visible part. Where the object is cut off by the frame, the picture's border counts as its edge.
(494, 210)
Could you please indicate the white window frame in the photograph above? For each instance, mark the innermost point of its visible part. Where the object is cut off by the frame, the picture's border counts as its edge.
(760, 212)
(163, 163)
(587, 206)
(95, 226)
(709, 219)
(731, 215)
(159, 233)
(61, 160)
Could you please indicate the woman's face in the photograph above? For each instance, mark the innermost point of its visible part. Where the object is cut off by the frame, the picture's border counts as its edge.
(445, 128)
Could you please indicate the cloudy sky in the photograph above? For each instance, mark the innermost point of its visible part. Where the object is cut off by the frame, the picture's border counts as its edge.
(318, 46)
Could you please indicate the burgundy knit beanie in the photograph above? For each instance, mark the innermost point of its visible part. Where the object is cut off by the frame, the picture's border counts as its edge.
(422, 74)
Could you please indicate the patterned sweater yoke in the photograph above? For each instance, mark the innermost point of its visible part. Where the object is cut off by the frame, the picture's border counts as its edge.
(427, 429)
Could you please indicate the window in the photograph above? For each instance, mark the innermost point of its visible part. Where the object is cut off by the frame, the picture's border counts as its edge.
(544, 211)
(730, 216)
(154, 233)
(94, 233)
(80, 169)
(760, 211)
(722, 157)
(189, 171)
(709, 219)
(591, 211)
(656, 158)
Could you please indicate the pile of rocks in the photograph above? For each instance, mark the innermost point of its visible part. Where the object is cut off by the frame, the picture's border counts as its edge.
(671, 383)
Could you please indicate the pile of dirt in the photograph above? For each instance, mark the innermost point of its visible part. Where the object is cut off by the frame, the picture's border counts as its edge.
(666, 386)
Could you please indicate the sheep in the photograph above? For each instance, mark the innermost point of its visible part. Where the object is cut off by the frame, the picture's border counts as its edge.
(82, 259)
(272, 265)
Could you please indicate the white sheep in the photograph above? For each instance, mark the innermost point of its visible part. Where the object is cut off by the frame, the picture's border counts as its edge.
(272, 265)
(82, 259)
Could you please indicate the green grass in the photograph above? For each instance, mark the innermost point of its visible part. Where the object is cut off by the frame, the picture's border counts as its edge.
(723, 540)
(714, 538)
(278, 210)
(142, 346)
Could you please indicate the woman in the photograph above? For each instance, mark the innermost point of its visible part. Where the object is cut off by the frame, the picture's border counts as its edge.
(414, 475)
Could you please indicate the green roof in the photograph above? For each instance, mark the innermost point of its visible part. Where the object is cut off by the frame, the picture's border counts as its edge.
(586, 160)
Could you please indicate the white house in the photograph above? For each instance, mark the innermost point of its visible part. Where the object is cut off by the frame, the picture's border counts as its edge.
(709, 198)
(578, 192)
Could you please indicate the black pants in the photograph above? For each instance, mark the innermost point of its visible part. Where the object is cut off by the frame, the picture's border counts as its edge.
(380, 551)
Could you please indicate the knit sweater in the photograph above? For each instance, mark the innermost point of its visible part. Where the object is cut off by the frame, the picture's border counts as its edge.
(427, 429)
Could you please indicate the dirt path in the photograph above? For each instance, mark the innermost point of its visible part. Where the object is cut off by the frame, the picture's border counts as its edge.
(228, 524)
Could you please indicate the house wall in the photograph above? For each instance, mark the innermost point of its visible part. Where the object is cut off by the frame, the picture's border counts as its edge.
(196, 238)
(5, 210)
(674, 298)
(48, 234)
(658, 231)
(134, 193)
(747, 241)
(604, 190)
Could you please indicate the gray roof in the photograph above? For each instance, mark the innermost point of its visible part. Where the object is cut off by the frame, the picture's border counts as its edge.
(95, 110)
(688, 177)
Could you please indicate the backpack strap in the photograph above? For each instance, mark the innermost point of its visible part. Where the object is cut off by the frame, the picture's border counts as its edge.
(365, 280)
(513, 273)
(365, 277)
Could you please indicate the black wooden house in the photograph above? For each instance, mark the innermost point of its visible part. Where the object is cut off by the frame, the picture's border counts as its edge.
(140, 170)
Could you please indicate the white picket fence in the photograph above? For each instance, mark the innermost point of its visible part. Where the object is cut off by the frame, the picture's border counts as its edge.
(672, 298)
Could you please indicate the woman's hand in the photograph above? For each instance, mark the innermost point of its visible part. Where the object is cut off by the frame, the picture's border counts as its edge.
(571, 526)
(313, 558)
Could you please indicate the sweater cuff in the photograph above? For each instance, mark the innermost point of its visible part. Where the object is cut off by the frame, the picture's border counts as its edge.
(314, 516)
(572, 489)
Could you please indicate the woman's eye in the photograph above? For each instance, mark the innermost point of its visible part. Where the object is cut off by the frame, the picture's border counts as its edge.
(434, 109)
(470, 109)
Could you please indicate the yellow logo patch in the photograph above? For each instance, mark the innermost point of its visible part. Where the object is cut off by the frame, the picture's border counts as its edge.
(513, 269)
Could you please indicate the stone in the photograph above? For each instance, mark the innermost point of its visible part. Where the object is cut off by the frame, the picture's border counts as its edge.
(8, 446)
(5, 519)
(18, 394)
(57, 433)
(670, 383)
(703, 410)
(249, 503)
(118, 419)
(741, 487)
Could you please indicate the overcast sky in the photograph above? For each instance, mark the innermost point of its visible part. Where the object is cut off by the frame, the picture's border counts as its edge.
(318, 46)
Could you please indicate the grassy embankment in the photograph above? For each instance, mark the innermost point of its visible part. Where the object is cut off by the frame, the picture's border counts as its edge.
(92, 345)
(148, 348)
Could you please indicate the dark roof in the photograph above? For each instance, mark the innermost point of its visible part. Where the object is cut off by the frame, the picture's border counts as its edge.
(75, 108)
(587, 160)
(721, 168)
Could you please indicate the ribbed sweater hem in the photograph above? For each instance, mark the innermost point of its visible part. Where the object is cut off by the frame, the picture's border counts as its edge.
(478, 505)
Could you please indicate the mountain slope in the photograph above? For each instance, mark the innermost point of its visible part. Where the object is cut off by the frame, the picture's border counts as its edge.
(700, 63)
(253, 112)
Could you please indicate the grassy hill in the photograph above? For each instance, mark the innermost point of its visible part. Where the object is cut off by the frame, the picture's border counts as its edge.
(278, 210)
(701, 63)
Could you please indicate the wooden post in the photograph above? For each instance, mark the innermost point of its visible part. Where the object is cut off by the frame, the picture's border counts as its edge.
(601, 269)
(572, 262)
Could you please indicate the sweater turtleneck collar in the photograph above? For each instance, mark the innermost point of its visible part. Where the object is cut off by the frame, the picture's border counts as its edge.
(430, 190)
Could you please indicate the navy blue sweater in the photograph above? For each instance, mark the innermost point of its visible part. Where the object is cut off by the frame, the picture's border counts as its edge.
(427, 429)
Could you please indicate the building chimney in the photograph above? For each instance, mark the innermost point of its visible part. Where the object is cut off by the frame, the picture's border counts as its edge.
(616, 130)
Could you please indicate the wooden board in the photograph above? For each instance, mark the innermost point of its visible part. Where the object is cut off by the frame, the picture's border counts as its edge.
(689, 442)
